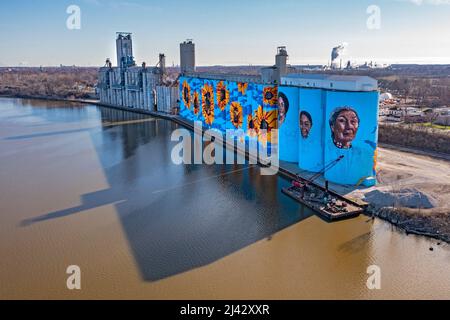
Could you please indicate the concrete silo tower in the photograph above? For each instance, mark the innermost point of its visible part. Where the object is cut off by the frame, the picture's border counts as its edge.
(187, 56)
(162, 62)
(124, 47)
(281, 62)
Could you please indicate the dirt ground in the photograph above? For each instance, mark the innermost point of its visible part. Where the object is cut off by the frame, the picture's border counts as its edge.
(413, 192)
(409, 180)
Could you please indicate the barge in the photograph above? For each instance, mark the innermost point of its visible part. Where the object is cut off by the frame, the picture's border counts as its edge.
(327, 204)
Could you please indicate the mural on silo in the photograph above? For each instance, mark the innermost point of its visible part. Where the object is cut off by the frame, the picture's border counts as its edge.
(208, 104)
(186, 94)
(265, 121)
(352, 131)
(306, 123)
(234, 112)
(270, 96)
(310, 121)
(283, 108)
(316, 126)
(223, 95)
(249, 107)
(196, 103)
(344, 124)
(236, 115)
(190, 101)
(288, 100)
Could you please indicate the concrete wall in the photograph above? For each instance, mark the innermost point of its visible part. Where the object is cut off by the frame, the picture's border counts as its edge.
(167, 98)
(132, 87)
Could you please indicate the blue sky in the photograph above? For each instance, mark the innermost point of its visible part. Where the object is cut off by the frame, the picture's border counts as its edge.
(227, 32)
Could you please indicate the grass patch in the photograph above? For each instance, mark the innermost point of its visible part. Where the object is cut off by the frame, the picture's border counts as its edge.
(435, 126)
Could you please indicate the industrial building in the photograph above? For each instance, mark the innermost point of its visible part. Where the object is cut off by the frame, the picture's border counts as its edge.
(144, 87)
(319, 118)
(131, 86)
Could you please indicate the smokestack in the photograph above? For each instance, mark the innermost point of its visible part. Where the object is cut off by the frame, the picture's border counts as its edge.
(336, 53)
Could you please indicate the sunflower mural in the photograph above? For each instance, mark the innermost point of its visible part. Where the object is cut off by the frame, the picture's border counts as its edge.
(242, 87)
(252, 129)
(270, 95)
(265, 121)
(223, 95)
(208, 103)
(196, 102)
(186, 93)
(236, 115)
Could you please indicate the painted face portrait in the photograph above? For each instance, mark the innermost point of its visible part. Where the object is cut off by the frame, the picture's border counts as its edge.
(283, 107)
(344, 124)
(305, 124)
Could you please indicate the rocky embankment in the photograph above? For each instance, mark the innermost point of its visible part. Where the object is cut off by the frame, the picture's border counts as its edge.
(430, 223)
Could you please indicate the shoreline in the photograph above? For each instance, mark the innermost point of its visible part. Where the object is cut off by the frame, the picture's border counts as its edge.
(425, 226)
(430, 223)
(44, 98)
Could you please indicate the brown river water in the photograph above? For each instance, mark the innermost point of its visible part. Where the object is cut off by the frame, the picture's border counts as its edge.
(95, 187)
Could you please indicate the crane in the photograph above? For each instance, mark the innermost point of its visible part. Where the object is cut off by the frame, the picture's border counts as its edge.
(302, 183)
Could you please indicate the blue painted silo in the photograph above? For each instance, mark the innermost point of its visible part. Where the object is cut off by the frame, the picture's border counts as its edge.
(311, 125)
(351, 130)
(288, 125)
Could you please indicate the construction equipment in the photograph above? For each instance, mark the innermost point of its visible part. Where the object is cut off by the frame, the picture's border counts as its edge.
(327, 204)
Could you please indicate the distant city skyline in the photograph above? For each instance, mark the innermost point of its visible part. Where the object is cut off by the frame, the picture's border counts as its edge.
(233, 32)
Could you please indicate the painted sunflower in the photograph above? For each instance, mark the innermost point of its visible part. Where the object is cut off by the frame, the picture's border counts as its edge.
(237, 117)
(196, 102)
(186, 93)
(223, 95)
(208, 103)
(242, 87)
(270, 95)
(252, 129)
(266, 121)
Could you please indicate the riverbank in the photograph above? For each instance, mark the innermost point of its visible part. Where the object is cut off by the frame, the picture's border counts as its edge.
(46, 98)
(413, 192)
(76, 82)
(433, 224)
